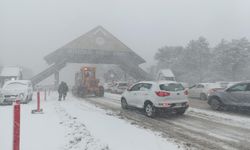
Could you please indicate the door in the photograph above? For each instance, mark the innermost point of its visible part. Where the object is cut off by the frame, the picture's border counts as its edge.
(143, 94)
(198, 90)
(247, 95)
(237, 94)
(132, 94)
(191, 91)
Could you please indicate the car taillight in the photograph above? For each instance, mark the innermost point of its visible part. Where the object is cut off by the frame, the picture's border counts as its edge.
(162, 94)
(186, 92)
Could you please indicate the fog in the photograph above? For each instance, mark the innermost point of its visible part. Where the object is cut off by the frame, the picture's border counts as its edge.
(31, 29)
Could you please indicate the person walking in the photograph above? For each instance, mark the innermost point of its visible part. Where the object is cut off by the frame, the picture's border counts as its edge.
(62, 90)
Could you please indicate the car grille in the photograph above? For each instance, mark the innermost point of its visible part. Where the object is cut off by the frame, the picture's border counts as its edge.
(10, 98)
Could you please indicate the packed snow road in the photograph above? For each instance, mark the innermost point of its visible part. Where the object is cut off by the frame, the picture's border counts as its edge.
(100, 124)
(198, 128)
(75, 124)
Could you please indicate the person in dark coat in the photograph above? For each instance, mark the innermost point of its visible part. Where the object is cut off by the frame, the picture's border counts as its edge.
(62, 90)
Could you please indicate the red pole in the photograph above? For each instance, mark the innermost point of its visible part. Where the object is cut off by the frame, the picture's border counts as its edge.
(16, 126)
(38, 101)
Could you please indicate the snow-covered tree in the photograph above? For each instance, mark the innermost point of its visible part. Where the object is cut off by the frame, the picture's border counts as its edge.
(196, 58)
(168, 56)
(197, 62)
(231, 59)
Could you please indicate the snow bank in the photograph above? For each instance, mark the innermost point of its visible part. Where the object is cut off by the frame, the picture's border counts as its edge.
(116, 133)
(38, 131)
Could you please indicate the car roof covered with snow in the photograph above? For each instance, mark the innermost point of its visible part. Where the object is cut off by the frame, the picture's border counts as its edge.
(166, 72)
(18, 81)
(159, 82)
(149, 82)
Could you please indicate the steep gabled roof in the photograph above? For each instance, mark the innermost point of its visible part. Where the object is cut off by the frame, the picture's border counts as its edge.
(98, 39)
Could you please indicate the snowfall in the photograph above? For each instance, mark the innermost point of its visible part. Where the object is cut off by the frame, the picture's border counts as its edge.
(75, 124)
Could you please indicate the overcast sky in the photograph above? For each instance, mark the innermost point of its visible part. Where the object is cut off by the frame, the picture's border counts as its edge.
(30, 29)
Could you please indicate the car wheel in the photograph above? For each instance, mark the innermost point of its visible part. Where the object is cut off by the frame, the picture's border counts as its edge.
(203, 96)
(149, 110)
(215, 104)
(180, 111)
(124, 103)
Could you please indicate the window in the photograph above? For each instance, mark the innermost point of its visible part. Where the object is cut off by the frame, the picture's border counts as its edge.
(172, 87)
(192, 86)
(145, 87)
(238, 87)
(123, 84)
(200, 86)
(136, 87)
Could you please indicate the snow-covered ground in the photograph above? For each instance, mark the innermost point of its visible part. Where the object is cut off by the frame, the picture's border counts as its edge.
(232, 119)
(76, 125)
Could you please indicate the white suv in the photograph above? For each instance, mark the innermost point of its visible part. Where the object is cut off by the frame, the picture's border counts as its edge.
(153, 97)
(119, 87)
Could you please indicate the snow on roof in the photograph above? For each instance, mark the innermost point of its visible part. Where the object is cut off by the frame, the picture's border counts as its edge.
(167, 72)
(10, 71)
(99, 41)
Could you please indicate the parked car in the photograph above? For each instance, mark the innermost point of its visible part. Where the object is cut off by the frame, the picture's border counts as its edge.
(17, 89)
(153, 97)
(231, 84)
(185, 85)
(223, 84)
(119, 87)
(237, 95)
(108, 86)
(1, 97)
(202, 90)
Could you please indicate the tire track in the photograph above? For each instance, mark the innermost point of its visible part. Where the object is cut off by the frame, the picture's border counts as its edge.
(194, 131)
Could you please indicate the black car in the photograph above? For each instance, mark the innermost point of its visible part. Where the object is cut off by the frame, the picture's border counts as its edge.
(237, 95)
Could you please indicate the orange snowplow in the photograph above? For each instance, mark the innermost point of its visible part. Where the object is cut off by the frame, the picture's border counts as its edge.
(87, 84)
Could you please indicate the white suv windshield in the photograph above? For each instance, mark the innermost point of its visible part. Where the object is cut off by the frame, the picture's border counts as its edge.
(172, 87)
